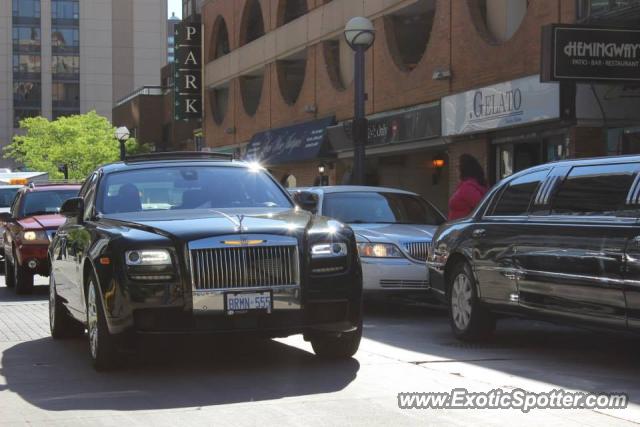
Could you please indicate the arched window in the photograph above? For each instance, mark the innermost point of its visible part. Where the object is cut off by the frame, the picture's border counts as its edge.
(291, 73)
(408, 31)
(252, 24)
(218, 102)
(288, 10)
(339, 59)
(219, 40)
(500, 19)
(251, 91)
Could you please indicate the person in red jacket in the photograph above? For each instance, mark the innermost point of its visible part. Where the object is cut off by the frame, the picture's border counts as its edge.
(470, 191)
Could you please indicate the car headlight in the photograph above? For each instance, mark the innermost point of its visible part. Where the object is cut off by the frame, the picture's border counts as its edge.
(31, 236)
(379, 250)
(329, 250)
(148, 257)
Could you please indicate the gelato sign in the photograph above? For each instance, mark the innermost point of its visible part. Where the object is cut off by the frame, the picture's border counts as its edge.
(513, 103)
(582, 53)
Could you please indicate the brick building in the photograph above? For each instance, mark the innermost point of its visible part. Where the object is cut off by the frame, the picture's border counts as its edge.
(277, 73)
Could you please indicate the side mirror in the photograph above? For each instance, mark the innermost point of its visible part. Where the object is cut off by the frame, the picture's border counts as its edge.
(5, 217)
(72, 208)
(307, 201)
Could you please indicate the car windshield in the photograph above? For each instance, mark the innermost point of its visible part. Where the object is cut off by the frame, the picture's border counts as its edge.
(6, 196)
(380, 208)
(45, 202)
(189, 188)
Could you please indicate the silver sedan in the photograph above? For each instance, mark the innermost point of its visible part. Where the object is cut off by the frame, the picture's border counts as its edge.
(394, 229)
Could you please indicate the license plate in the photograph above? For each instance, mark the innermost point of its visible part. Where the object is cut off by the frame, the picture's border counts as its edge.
(248, 301)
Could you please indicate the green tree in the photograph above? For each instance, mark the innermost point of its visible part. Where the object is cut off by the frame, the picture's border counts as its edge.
(83, 142)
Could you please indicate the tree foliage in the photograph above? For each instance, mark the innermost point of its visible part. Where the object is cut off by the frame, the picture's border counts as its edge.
(83, 142)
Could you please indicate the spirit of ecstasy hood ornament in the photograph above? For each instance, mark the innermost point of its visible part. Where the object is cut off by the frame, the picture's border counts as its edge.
(240, 228)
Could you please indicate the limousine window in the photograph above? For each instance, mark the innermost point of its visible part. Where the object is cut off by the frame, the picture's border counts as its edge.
(516, 198)
(595, 190)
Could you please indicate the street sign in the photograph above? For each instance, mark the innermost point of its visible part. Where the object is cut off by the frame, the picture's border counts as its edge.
(187, 104)
(590, 53)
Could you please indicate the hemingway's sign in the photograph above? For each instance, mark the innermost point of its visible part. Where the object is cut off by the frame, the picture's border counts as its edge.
(586, 53)
(188, 70)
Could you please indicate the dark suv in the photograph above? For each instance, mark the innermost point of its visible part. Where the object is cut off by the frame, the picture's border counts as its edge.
(559, 241)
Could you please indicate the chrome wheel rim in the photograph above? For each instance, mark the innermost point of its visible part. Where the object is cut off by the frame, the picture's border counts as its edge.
(52, 303)
(92, 320)
(461, 301)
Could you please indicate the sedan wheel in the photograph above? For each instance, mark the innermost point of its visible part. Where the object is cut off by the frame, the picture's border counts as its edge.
(470, 320)
(461, 301)
(102, 344)
(60, 322)
(23, 279)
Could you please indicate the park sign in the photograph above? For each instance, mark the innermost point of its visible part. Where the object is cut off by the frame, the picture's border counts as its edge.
(188, 70)
(590, 53)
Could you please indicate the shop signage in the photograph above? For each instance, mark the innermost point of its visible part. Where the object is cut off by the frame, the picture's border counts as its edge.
(586, 53)
(393, 127)
(188, 70)
(513, 103)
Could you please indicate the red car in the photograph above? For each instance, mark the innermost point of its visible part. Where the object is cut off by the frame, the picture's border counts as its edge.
(31, 224)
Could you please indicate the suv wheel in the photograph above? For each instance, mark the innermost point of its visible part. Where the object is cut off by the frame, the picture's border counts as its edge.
(8, 273)
(342, 346)
(60, 322)
(102, 345)
(470, 321)
(22, 278)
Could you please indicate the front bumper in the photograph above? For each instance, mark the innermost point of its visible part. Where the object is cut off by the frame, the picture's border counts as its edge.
(37, 253)
(395, 275)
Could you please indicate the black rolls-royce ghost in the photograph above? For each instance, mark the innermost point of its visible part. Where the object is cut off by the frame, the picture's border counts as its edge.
(560, 242)
(193, 242)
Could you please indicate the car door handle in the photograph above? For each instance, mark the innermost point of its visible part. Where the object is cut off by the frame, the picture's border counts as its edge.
(479, 233)
(514, 275)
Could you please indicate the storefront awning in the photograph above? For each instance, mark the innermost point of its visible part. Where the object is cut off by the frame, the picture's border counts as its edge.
(292, 144)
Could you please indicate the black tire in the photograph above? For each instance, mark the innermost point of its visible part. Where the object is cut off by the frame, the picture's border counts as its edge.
(9, 280)
(342, 346)
(22, 278)
(103, 348)
(61, 324)
(469, 319)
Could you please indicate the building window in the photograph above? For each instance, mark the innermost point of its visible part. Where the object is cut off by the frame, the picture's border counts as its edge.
(65, 39)
(65, 65)
(26, 64)
(27, 93)
(26, 38)
(288, 10)
(252, 24)
(408, 31)
(291, 73)
(219, 99)
(609, 11)
(26, 8)
(65, 9)
(251, 91)
(339, 60)
(20, 114)
(499, 19)
(66, 95)
(220, 41)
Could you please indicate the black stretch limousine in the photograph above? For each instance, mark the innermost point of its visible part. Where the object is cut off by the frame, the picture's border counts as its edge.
(559, 241)
(191, 242)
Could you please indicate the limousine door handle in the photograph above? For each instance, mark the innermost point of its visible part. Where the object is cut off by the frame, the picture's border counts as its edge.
(481, 232)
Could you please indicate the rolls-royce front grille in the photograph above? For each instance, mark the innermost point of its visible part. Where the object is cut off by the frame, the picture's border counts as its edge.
(418, 250)
(246, 267)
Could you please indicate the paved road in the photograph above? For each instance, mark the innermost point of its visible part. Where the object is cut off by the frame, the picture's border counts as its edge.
(280, 382)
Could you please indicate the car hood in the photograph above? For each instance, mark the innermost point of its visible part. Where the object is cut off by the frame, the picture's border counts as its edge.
(193, 225)
(38, 222)
(396, 233)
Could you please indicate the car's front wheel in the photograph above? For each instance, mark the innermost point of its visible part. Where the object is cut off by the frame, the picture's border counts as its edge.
(22, 278)
(102, 345)
(341, 346)
(60, 322)
(470, 321)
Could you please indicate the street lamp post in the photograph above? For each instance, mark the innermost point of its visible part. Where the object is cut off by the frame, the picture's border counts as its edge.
(360, 35)
(122, 135)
